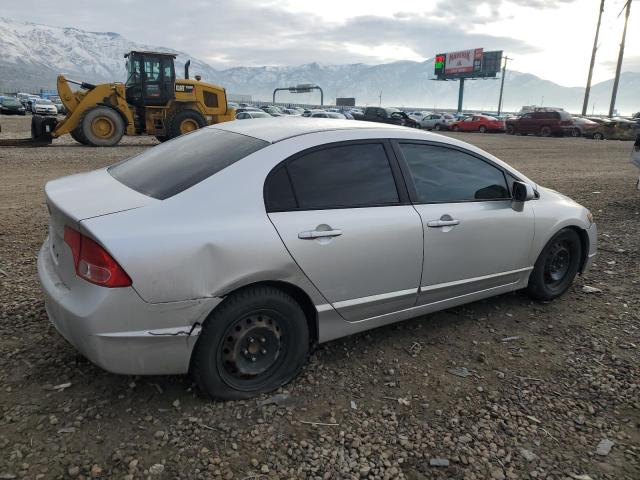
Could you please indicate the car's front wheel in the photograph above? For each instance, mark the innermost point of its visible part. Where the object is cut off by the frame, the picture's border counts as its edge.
(556, 266)
(482, 129)
(437, 127)
(256, 341)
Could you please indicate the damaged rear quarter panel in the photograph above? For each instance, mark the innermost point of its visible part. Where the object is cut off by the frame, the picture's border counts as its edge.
(205, 241)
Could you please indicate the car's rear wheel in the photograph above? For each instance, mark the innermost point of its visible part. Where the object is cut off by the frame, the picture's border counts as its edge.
(256, 341)
(437, 127)
(556, 266)
(598, 136)
(510, 130)
(456, 128)
(545, 131)
(576, 132)
(482, 129)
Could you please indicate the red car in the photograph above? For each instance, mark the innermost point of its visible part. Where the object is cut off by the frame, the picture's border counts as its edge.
(478, 123)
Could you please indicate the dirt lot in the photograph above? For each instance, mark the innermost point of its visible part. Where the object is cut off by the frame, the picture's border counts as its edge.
(548, 381)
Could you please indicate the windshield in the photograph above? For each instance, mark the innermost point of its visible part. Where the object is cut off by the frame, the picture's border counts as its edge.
(44, 101)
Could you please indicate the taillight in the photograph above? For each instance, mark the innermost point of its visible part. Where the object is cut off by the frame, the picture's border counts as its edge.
(93, 263)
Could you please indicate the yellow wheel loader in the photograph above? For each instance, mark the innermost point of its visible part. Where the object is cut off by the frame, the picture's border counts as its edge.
(151, 102)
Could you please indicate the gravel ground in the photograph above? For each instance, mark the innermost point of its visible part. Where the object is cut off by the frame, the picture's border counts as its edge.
(503, 388)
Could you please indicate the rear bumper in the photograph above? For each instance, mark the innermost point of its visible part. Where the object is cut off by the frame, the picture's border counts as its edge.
(117, 330)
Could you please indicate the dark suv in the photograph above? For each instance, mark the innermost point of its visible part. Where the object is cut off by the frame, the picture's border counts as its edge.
(543, 123)
(393, 116)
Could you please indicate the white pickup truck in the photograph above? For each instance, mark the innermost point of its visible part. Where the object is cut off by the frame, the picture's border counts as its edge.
(635, 157)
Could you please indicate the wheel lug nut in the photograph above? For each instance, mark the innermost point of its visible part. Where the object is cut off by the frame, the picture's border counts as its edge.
(253, 359)
(263, 351)
(252, 340)
(263, 340)
(245, 352)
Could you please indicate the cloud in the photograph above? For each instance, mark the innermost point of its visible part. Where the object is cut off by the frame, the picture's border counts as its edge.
(263, 32)
(629, 64)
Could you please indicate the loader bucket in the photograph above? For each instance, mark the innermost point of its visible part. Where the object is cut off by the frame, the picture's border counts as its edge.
(42, 128)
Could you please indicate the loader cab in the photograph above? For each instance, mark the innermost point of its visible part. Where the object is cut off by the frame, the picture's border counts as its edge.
(151, 78)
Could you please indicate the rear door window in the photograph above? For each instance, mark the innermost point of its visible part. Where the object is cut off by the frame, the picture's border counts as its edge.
(344, 176)
(447, 175)
(172, 167)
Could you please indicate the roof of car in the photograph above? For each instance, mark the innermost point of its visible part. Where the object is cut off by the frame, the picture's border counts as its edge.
(279, 128)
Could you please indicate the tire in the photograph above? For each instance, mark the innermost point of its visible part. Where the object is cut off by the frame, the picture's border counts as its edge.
(545, 131)
(102, 127)
(224, 363)
(76, 134)
(576, 133)
(482, 129)
(510, 130)
(162, 138)
(556, 266)
(456, 128)
(185, 121)
(598, 136)
(437, 127)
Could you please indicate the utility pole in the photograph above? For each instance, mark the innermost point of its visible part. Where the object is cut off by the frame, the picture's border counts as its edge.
(380, 99)
(620, 57)
(587, 91)
(460, 94)
(504, 71)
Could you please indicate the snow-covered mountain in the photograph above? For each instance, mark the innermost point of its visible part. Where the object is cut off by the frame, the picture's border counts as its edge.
(33, 55)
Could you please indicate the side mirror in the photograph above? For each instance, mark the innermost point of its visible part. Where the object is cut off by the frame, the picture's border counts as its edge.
(522, 192)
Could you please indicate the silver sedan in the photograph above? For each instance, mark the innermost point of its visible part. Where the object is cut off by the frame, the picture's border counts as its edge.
(229, 252)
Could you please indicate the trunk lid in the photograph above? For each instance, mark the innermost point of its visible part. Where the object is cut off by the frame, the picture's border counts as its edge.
(79, 197)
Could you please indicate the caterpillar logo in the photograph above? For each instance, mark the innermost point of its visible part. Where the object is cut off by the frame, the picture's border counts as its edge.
(184, 88)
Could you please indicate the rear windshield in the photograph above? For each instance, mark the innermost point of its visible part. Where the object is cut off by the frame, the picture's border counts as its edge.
(163, 171)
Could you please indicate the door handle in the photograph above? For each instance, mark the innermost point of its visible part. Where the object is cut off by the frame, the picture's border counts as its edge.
(311, 234)
(442, 223)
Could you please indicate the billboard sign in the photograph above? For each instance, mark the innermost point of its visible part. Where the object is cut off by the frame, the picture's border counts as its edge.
(463, 61)
(475, 63)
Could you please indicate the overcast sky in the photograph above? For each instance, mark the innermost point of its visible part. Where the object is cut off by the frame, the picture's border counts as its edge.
(549, 38)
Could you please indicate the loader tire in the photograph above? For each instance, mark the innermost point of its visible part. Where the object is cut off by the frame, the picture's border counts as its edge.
(77, 135)
(185, 121)
(102, 127)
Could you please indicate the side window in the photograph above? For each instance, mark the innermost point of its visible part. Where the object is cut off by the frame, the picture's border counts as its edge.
(445, 175)
(343, 176)
(210, 99)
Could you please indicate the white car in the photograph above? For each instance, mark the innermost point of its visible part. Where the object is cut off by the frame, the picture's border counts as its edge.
(635, 157)
(437, 121)
(417, 116)
(249, 114)
(42, 106)
(232, 250)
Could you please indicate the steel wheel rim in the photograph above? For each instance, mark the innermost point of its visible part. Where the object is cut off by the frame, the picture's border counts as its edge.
(188, 125)
(251, 350)
(557, 264)
(103, 127)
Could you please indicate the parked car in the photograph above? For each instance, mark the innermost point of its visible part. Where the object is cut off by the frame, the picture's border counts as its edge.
(247, 109)
(285, 233)
(543, 123)
(29, 102)
(582, 126)
(42, 106)
(417, 116)
(391, 116)
(272, 110)
(11, 106)
(249, 114)
(59, 105)
(614, 130)
(334, 115)
(478, 123)
(437, 121)
(635, 157)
